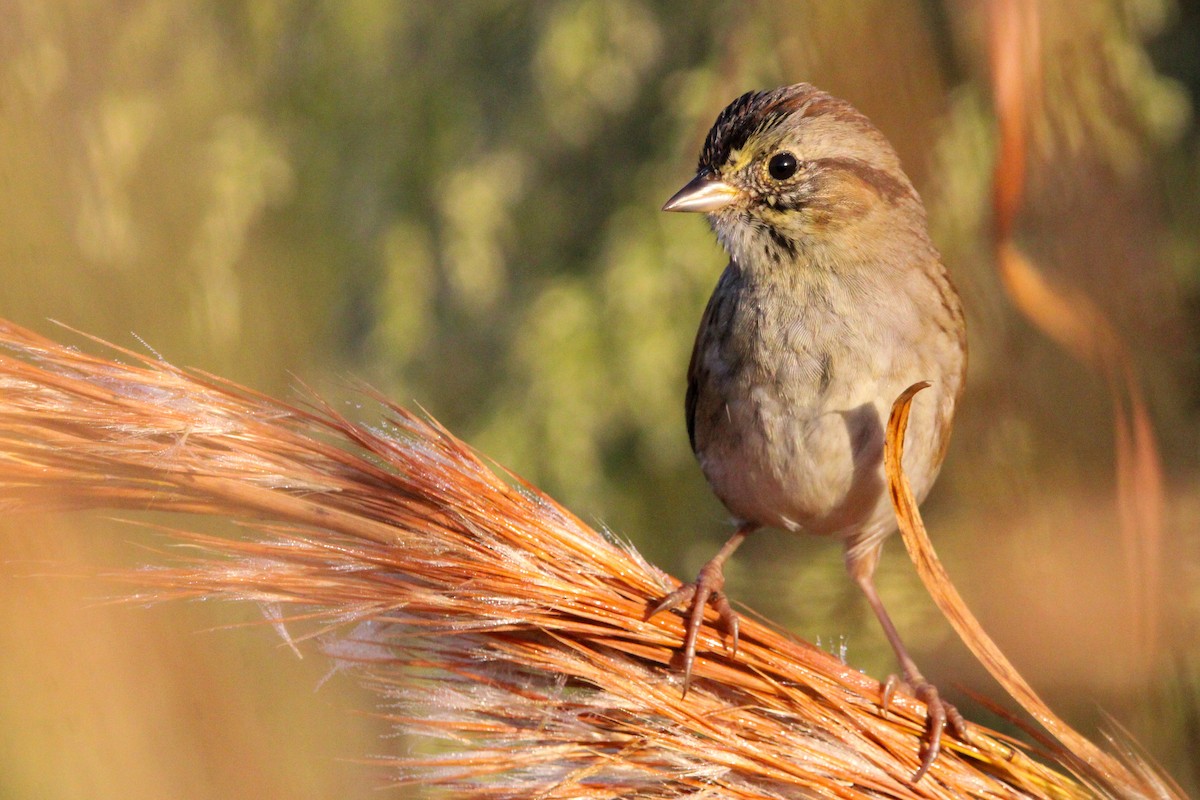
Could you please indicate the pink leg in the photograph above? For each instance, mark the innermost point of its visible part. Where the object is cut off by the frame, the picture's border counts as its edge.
(707, 586)
(940, 713)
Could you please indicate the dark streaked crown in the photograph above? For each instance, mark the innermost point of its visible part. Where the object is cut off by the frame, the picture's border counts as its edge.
(758, 112)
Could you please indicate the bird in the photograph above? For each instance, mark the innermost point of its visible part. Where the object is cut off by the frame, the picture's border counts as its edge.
(833, 303)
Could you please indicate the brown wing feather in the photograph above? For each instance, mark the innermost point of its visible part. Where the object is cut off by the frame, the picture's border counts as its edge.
(694, 378)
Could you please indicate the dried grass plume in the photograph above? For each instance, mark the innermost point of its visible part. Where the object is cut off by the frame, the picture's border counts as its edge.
(494, 623)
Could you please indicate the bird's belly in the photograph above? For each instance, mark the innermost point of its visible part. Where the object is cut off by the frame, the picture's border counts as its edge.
(812, 461)
(816, 470)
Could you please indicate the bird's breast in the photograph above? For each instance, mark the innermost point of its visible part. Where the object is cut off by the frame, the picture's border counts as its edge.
(792, 387)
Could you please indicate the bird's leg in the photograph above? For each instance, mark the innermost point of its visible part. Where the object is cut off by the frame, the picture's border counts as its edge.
(939, 714)
(707, 586)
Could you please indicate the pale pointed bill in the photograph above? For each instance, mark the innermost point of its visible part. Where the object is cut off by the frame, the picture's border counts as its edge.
(702, 194)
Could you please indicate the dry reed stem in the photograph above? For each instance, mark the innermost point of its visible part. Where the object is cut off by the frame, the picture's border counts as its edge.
(1109, 776)
(494, 623)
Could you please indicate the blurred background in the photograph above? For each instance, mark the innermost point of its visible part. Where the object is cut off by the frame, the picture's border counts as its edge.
(459, 203)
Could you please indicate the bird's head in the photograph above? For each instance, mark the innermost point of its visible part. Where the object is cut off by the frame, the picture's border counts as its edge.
(792, 170)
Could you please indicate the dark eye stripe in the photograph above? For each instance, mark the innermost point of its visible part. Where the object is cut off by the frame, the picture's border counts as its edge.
(885, 184)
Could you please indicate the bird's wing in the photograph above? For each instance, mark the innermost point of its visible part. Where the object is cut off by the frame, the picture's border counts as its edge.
(696, 366)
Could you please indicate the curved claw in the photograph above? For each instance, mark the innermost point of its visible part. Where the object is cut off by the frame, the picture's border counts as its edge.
(939, 715)
(675, 599)
(935, 725)
(890, 686)
(707, 587)
(729, 620)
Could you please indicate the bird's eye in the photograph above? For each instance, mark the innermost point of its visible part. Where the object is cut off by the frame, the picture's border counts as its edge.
(782, 166)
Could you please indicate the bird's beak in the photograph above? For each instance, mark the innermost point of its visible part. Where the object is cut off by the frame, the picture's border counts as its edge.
(703, 193)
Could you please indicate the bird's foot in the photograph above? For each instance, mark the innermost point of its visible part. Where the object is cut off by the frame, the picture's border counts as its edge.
(939, 715)
(707, 588)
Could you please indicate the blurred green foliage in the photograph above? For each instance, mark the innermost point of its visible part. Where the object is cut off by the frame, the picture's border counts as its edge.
(459, 203)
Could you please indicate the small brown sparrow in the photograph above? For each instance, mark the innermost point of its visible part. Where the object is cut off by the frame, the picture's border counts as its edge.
(834, 302)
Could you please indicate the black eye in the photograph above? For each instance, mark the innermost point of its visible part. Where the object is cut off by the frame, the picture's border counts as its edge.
(782, 166)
